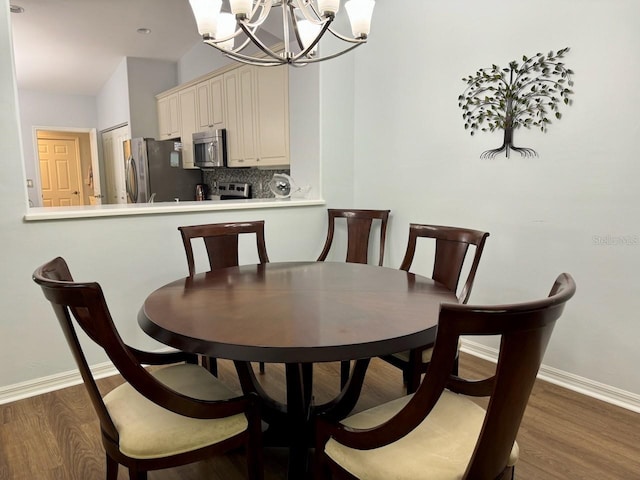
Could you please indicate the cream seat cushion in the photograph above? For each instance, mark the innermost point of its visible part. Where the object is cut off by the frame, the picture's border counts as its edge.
(150, 431)
(438, 449)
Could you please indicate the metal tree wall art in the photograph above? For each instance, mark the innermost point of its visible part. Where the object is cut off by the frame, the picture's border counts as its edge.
(522, 95)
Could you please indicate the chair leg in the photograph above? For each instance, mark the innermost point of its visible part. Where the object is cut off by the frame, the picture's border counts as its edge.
(413, 381)
(261, 367)
(345, 370)
(255, 458)
(212, 366)
(456, 365)
(112, 469)
(320, 469)
(135, 474)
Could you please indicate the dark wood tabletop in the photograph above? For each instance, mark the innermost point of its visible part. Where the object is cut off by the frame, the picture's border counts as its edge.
(296, 312)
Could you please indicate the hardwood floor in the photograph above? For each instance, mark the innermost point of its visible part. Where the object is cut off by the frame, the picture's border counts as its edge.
(564, 435)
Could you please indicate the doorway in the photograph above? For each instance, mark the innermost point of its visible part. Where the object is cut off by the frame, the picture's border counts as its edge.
(67, 168)
(113, 157)
(63, 180)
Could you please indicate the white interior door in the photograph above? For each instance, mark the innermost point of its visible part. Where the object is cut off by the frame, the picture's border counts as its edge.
(112, 142)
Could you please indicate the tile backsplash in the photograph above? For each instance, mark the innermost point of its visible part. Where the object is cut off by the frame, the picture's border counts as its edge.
(259, 179)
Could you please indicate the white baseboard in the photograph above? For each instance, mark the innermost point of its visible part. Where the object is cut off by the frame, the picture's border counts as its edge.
(42, 385)
(600, 391)
(606, 393)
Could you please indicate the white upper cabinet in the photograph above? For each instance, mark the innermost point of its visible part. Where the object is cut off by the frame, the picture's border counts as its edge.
(235, 150)
(188, 124)
(251, 103)
(168, 118)
(210, 103)
(257, 111)
(272, 110)
(216, 112)
(203, 100)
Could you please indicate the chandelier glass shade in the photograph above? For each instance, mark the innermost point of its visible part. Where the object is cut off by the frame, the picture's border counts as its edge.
(304, 22)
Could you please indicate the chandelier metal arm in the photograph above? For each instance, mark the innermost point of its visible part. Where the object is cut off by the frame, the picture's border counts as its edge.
(264, 13)
(305, 51)
(258, 43)
(304, 6)
(358, 40)
(327, 57)
(212, 42)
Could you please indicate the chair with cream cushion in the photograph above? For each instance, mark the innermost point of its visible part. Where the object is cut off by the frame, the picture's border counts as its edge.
(451, 249)
(157, 419)
(439, 432)
(221, 243)
(359, 224)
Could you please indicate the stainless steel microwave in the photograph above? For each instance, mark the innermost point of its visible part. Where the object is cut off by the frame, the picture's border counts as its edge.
(210, 148)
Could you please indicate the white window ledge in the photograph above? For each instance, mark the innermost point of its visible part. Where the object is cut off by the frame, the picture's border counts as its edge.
(92, 211)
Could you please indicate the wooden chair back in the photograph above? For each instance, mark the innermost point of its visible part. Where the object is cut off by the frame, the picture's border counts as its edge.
(221, 242)
(359, 223)
(84, 302)
(524, 330)
(83, 305)
(452, 244)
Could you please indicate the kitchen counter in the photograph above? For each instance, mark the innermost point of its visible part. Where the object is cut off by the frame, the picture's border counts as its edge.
(92, 211)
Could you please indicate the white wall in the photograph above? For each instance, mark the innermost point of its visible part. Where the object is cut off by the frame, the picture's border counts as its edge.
(544, 214)
(198, 61)
(145, 79)
(113, 99)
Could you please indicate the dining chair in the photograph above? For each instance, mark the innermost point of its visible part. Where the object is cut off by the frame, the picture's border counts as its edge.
(439, 432)
(158, 418)
(221, 243)
(359, 224)
(451, 249)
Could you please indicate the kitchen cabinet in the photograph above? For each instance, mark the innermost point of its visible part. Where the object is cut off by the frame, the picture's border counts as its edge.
(168, 117)
(210, 113)
(251, 103)
(234, 132)
(257, 113)
(272, 111)
(188, 123)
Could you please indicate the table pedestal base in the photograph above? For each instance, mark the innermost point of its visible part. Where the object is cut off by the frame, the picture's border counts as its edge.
(292, 424)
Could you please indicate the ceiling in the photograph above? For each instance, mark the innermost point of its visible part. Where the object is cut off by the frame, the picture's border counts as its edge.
(74, 46)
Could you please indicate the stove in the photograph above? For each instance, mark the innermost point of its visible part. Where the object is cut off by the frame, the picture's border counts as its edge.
(234, 191)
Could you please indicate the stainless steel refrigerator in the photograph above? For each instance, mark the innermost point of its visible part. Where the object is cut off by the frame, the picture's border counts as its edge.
(154, 173)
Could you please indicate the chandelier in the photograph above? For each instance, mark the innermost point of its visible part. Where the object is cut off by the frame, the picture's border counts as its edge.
(304, 20)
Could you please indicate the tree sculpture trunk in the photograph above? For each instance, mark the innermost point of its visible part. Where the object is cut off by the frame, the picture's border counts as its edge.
(507, 142)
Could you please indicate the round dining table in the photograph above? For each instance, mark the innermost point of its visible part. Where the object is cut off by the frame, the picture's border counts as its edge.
(298, 314)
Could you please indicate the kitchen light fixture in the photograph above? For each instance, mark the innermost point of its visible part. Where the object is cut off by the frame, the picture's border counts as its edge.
(307, 20)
